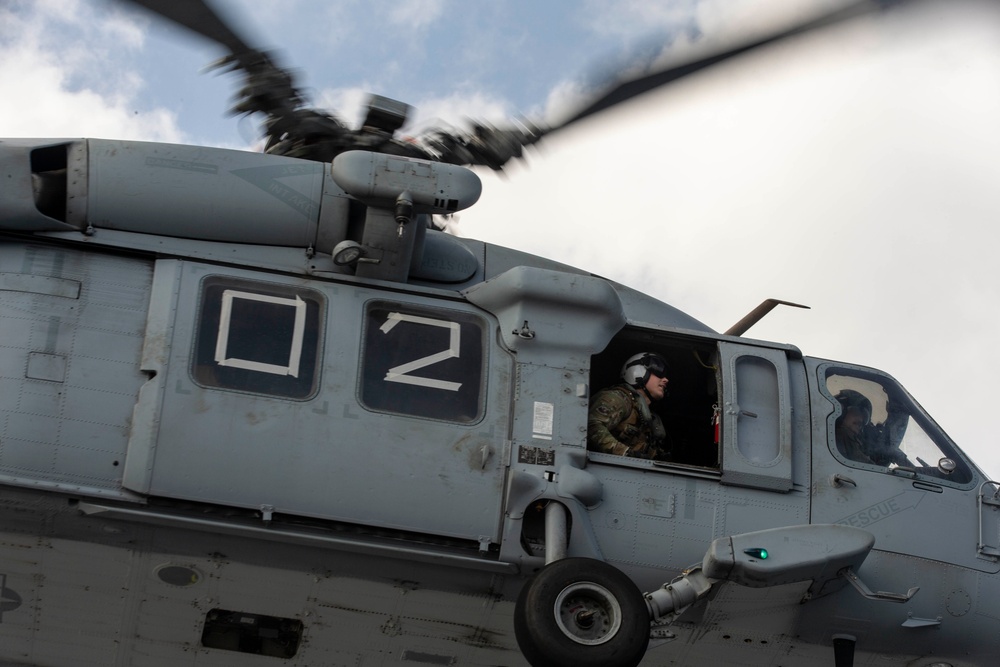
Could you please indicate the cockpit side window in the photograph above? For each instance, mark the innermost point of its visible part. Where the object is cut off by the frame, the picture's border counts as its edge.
(875, 423)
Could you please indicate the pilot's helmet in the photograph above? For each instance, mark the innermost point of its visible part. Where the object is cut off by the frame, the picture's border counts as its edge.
(849, 398)
(639, 367)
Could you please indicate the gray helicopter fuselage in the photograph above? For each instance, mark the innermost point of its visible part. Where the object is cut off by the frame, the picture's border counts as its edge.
(218, 445)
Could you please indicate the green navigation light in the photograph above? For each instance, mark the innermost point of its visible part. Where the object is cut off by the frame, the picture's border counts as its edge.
(756, 553)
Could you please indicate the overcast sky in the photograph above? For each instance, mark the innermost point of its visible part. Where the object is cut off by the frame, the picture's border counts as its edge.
(854, 171)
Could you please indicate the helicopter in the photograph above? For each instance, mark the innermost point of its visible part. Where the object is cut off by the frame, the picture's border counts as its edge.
(247, 515)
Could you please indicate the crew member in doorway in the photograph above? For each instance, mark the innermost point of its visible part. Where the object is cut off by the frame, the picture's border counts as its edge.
(620, 419)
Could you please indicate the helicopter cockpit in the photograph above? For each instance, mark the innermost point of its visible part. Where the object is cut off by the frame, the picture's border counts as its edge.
(876, 424)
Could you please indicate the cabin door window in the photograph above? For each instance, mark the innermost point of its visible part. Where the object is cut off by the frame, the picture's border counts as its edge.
(756, 418)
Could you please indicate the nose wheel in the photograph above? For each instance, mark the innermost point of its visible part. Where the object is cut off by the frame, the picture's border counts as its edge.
(580, 612)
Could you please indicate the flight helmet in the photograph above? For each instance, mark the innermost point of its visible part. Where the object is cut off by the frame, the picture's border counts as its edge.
(849, 398)
(639, 367)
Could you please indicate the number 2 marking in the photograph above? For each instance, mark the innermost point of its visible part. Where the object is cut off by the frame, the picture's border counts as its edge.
(402, 372)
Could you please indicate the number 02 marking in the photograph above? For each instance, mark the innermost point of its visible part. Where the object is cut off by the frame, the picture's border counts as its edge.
(402, 372)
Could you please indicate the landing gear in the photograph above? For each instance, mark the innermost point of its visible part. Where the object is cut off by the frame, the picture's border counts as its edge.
(580, 612)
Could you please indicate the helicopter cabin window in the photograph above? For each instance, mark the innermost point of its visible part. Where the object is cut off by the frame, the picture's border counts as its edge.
(875, 424)
(257, 337)
(423, 362)
(678, 428)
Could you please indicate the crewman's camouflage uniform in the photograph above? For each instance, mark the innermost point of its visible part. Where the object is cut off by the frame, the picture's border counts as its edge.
(616, 425)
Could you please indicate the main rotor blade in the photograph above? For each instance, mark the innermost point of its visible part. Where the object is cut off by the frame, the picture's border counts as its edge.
(199, 17)
(624, 90)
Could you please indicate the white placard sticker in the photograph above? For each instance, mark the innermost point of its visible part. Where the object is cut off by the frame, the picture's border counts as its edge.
(541, 423)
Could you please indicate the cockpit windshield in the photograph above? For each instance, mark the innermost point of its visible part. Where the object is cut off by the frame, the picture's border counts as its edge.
(876, 423)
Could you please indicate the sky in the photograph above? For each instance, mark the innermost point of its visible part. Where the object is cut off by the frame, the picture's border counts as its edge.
(854, 170)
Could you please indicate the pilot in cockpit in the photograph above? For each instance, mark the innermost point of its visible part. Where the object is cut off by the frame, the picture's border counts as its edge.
(856, 413)
(858, 439)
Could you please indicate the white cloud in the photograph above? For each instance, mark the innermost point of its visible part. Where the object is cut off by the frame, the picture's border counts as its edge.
(627, 18)
(59, 79)
(456, 109)
(348, 104)
(415, 14)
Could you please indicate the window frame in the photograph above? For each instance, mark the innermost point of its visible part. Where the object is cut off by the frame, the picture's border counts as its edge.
(894, 392)
(415, 374)
(604, 372)
(308, 332)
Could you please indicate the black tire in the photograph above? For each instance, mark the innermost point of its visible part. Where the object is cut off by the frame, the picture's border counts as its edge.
(581, 612)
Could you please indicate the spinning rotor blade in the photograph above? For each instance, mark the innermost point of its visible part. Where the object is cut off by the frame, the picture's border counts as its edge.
(625, 89)
(199, 17)
(294, 128)
(267, 87)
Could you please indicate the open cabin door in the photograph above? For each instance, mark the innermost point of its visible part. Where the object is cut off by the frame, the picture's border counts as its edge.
(322, 400)
(756, 417)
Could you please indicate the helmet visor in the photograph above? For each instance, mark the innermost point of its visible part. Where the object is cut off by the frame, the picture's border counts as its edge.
(656, 366)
